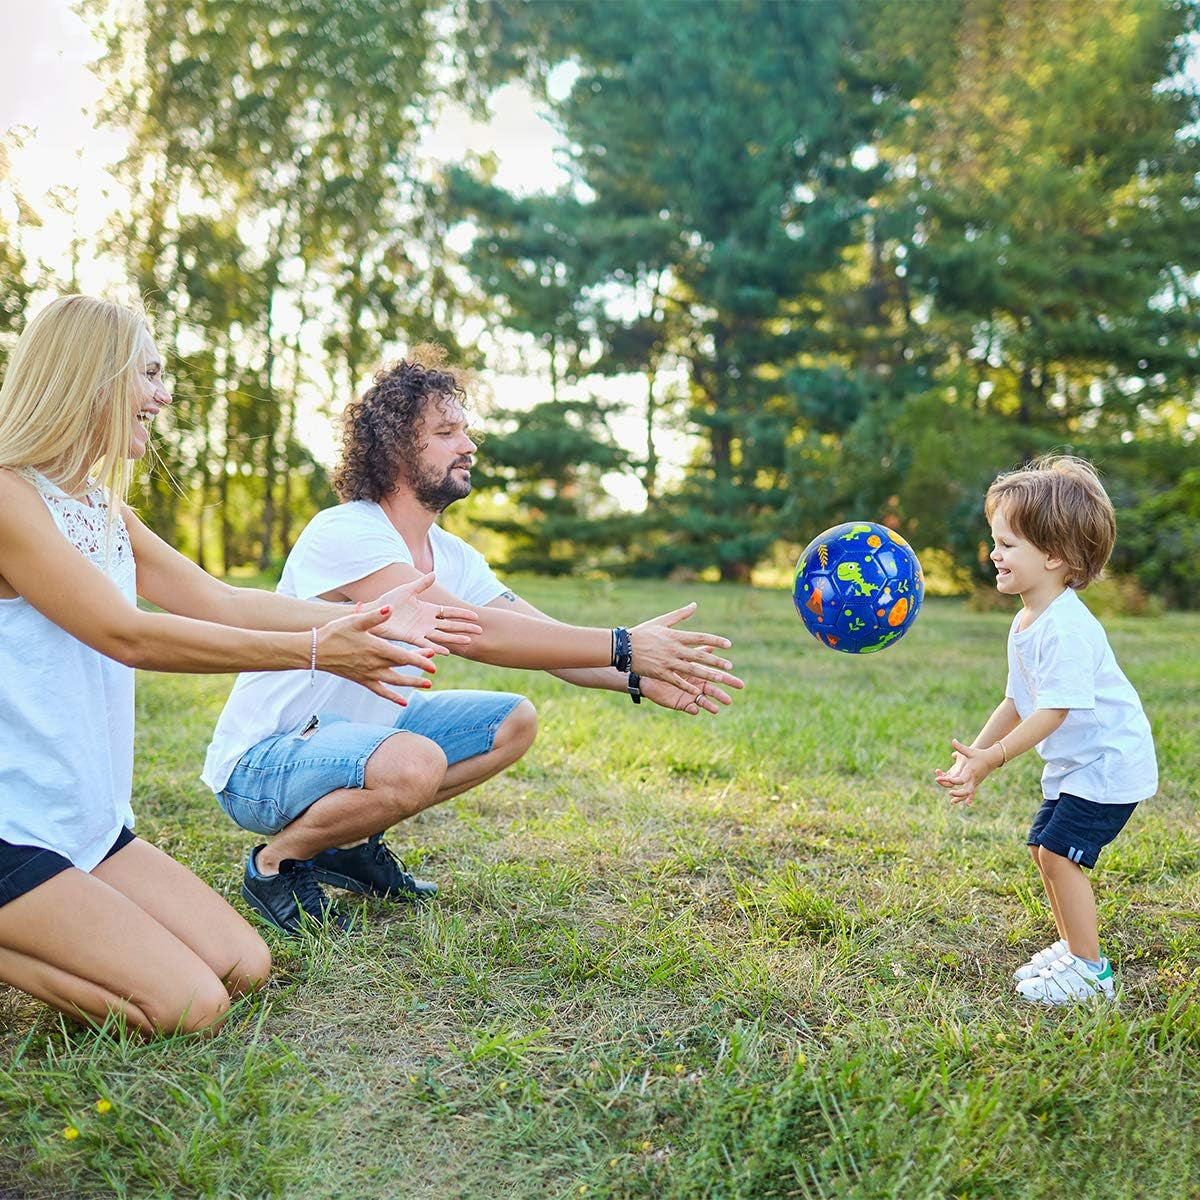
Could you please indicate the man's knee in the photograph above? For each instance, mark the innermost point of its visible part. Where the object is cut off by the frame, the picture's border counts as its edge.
(407, 764)
(517, 731)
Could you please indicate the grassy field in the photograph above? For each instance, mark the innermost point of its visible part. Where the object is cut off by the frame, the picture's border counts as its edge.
(750, 956)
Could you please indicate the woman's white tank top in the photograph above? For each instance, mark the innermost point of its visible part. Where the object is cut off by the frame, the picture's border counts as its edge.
(66, 710)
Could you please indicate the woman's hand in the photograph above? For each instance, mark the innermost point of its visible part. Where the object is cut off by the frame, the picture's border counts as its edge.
(357, 648)
(680, 657)
(428, 626)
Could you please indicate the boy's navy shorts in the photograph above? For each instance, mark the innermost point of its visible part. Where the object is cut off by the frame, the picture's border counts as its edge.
(22, 868)
(1077, 829)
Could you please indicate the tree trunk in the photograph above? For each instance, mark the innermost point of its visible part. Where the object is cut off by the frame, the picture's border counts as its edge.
(270, 454)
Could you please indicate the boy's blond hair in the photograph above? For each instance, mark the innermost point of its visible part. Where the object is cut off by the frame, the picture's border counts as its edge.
(1059, 504)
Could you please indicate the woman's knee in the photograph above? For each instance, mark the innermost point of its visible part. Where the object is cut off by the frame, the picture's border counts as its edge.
(196, 1005)
(251, 966)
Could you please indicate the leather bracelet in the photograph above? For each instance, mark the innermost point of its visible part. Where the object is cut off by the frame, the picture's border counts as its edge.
(634, 687)
(622, 650)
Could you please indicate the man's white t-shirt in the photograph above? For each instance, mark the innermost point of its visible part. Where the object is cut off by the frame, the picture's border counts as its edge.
(337, 547)
(1103, 751)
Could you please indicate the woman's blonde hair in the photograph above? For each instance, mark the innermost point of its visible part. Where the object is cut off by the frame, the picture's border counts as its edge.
(1059, 504)
(68, 397)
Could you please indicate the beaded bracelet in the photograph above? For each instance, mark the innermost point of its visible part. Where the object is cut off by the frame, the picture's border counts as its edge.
(312, 659)
(622, 657)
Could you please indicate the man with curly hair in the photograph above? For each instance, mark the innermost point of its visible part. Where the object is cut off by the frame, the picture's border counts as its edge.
(322, 770)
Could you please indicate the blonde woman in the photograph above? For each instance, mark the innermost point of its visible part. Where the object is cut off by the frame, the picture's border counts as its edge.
(94, 920)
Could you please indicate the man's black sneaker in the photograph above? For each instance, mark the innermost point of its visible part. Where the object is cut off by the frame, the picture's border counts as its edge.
(370, 869)
(292, 900)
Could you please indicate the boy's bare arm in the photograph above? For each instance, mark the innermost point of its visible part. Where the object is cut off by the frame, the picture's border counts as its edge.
(999, 741)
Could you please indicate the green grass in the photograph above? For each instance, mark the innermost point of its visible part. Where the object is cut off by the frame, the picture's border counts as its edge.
(751, 956)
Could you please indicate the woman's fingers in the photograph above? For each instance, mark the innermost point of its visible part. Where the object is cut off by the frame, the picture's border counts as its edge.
(457, 618)
(415, 587)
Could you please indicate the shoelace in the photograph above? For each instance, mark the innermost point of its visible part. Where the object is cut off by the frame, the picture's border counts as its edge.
(385, 856)
(308, 893)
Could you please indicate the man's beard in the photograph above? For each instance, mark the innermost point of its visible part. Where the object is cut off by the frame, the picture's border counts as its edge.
(438, 492)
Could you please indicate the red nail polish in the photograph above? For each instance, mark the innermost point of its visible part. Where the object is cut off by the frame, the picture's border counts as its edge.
(386, 610)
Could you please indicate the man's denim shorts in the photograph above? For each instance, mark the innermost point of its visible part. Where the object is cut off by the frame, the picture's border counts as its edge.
(1077, 829)
(281, 776)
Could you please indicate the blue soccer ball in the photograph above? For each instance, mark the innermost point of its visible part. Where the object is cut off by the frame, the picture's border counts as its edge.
(858, 587)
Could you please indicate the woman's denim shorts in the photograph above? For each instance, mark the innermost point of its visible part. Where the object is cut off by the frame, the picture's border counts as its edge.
(281, 776)
(1077, 829)
(22, 868)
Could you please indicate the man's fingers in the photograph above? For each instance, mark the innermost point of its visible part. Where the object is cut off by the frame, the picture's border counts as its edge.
(704, 641)
(680, 614)
(713, 674)
(687, 684)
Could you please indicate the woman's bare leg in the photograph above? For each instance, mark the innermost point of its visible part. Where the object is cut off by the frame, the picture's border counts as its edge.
(89, 949)
(192, 911)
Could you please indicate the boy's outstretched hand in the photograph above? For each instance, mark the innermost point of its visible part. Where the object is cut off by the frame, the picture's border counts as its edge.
(970, 768)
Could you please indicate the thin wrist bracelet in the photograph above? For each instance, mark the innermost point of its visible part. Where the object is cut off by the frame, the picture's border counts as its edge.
(312, 660)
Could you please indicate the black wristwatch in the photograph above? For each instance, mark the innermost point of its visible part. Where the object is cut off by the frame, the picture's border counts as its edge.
(634, 687)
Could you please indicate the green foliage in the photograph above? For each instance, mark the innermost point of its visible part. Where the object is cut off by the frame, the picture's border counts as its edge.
(14, 286)
(1161, 538)
(890, 257)
(739, 210)
(277, 205)
(1048, 158)
(549, 462)
(862, 253)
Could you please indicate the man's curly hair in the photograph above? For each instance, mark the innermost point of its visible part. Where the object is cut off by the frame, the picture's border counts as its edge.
(379, 430)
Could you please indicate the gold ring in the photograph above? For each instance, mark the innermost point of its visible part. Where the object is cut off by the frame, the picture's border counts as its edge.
(440, 615)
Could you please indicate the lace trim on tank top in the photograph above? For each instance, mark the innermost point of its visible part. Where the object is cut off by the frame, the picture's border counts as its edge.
(85, 525)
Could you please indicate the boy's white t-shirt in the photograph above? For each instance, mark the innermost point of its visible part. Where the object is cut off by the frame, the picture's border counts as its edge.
(1104, 750)
(337, 547)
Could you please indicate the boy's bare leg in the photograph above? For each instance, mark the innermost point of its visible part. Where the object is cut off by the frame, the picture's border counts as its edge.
(1048, 888)
(1076, 906)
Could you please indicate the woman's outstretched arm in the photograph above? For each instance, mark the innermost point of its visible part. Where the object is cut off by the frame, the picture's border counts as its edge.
(40, 565)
